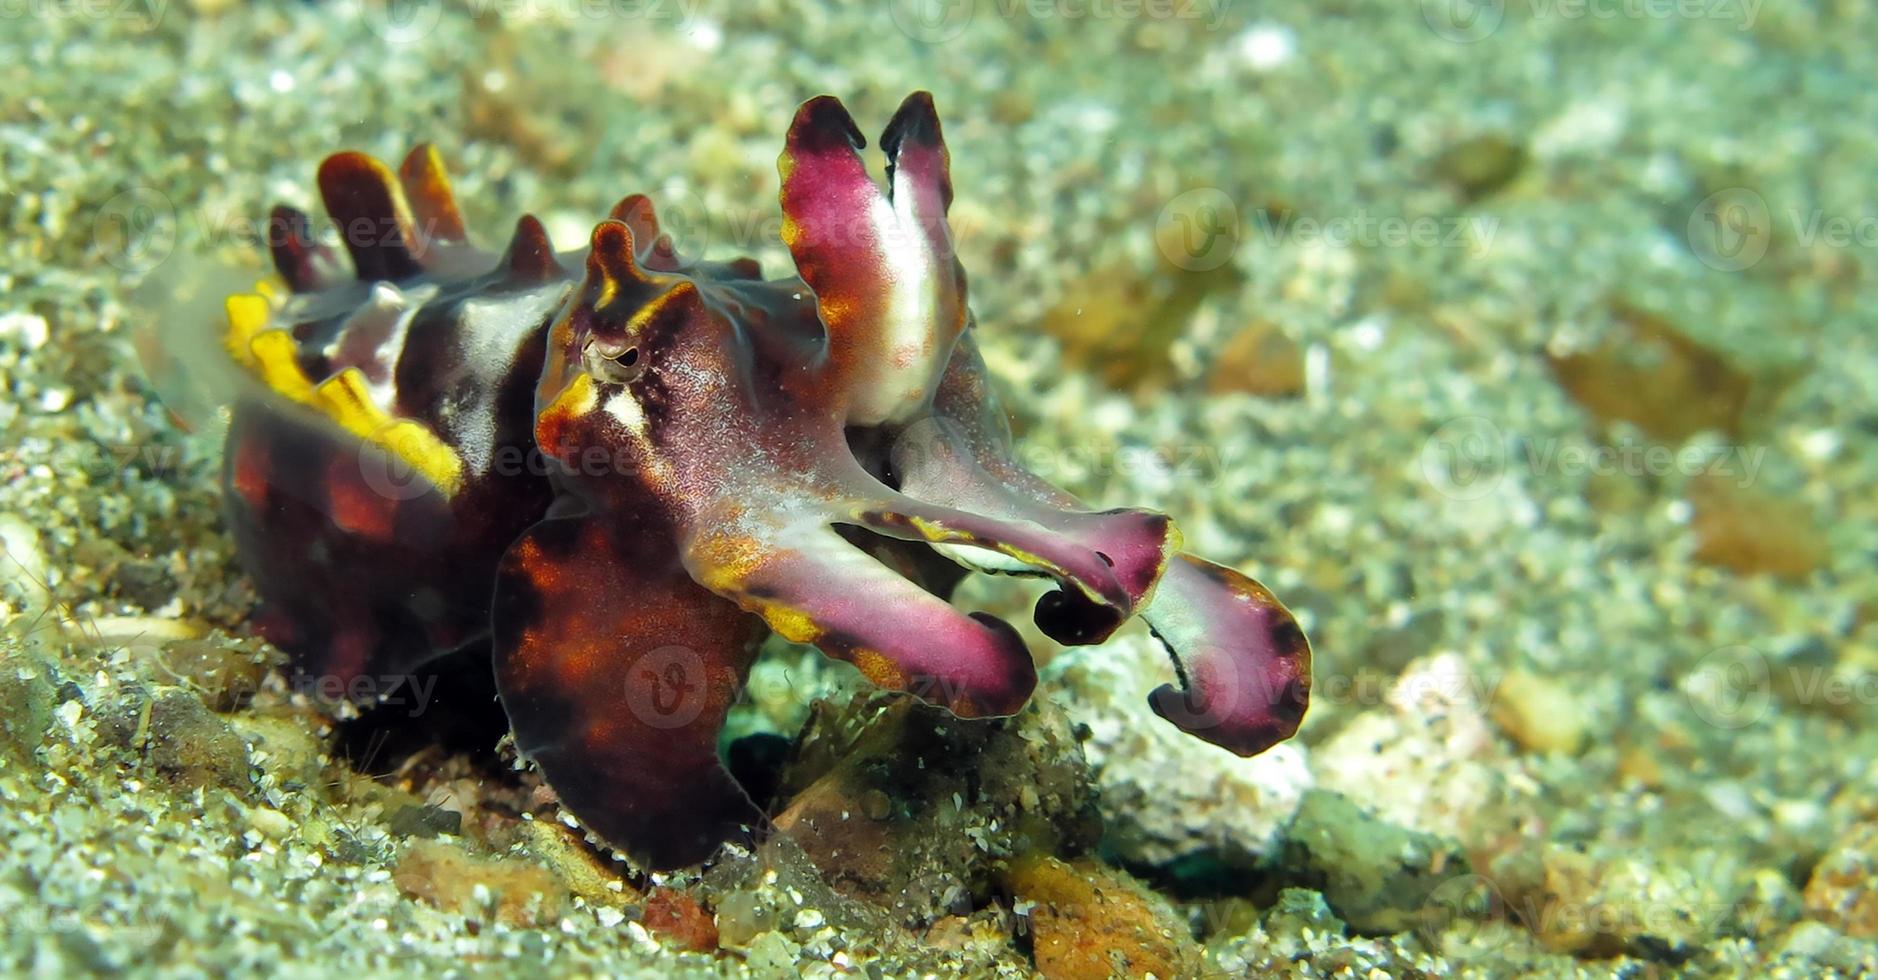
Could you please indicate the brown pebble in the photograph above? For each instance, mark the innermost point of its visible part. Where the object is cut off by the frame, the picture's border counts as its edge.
(1843, 891)
(1118, 324)
(445, 875)
(1481, 165)
(679, 919)
(424, 821)
(225, 676)
(1652, 375)
(1751, 532)
(1541, 714)
(192, 747)
(1088, 920)
(1259, 360)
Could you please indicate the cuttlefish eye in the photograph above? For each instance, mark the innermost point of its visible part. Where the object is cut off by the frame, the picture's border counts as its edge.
(611, 364)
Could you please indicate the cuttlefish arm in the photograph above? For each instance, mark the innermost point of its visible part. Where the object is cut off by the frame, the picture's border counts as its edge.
(778, 550)
(813, 586)
(888, 289)
(1242, 662)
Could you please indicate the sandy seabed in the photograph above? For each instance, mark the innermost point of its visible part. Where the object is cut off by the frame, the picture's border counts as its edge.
(1525, 350)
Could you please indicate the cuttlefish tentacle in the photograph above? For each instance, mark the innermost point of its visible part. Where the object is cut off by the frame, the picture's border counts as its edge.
(786, 561)
(961, 453)
(981, 539)
(780, 552)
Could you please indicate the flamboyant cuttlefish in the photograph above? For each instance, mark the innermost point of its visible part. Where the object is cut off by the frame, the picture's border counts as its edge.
(622, 467)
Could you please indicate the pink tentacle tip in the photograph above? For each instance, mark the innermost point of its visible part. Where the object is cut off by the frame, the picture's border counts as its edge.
(1244, 661)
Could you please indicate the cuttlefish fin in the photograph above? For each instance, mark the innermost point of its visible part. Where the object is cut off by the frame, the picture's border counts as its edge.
(617, 672)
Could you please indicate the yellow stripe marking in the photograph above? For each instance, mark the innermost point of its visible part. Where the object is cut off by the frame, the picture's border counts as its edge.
(247, 317)
(345, 399)
(272, 356)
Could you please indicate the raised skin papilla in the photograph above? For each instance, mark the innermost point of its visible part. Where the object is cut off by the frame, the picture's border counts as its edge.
(652, 460)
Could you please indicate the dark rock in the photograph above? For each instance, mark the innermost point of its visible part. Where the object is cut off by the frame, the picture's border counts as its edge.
(28, 694)
(192, 747)
(174, 733)
(1376, 875)
(907, 807)
(144, 582)
(1298, 909)
(224, 674)
(1482, 165)
(425, 821)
